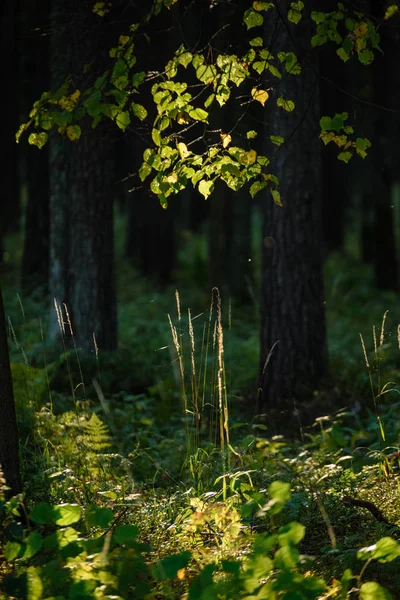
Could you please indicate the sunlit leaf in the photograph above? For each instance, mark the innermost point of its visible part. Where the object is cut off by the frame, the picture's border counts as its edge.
(256, 187)
(183, 150)
(226, 139)
(122, 119)
(144, 171)
(185, 58)
(287, 105)
(156, 137)
(139, 111)
(260, 95)
(276, 139)
(258, 41)
(66, 514)
(38, 139)
(171, 69)
(391, 10)
(373, 591)
(34, 584)
(276, 197)
(11, 550)
(206, 188)
(252, 18)
(198, 114)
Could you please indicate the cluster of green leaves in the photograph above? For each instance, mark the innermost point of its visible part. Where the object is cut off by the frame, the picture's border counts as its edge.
(183, 121)
(354, 34)
(335, 130)
(68, 552)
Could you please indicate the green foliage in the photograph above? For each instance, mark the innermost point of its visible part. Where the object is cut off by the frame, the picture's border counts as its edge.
(75, 561)
(335, 130)
(182, 120)
(92, 533)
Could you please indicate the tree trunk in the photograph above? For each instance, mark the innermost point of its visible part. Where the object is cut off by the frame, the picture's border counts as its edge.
(384, 155)
(35, 258)
(9, 107)
(35, 79)
(293, 344)
(81, 198)
(9, 457)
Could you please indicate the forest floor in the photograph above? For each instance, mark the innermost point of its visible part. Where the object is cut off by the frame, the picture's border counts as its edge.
(136, 485)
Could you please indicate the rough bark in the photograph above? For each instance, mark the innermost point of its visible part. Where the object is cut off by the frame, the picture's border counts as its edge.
(81, 198)
(9, 457)
(293, 346)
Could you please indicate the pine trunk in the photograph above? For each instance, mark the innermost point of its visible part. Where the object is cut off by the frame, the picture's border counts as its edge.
(293, 344)
(81, 195)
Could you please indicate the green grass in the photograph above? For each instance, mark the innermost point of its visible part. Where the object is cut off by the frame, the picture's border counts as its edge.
(197, 492)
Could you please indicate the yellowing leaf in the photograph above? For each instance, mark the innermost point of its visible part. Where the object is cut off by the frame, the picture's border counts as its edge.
(173, 178)
(390, 11)
(277, 197)
(123, 40)
(75, 96)
(38, 139)
(226, 139)
(249, 158)
(360, 30)
(260, 95)
(182, 118)
(66, 103)
(183, 151)
(259, 5)
(101, 8)
(181, 574)
(205, 188)
(73, 132)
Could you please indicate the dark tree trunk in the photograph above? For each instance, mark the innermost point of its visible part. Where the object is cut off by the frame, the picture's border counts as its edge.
(385, 255)
(35, 259)
(238, 243)
(151, 240)
(334, 172)
(367, 232)
(384, 155)
(90, 258)
(217, 259)
(81, 195)
(35, 79)
(9, 457)
(9, 107)
(293, 345)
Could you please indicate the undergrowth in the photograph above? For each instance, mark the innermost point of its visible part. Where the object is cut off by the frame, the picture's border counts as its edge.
(146, 476)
